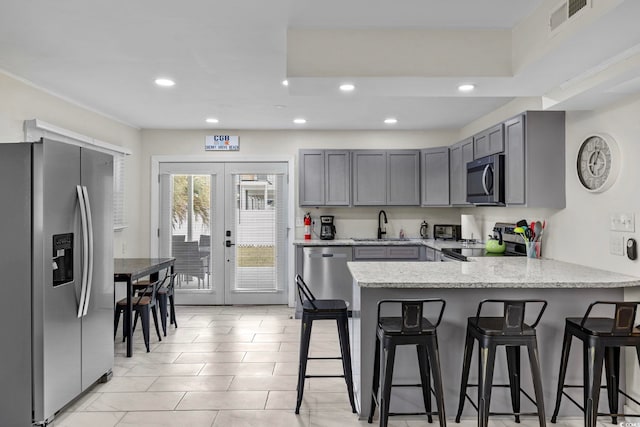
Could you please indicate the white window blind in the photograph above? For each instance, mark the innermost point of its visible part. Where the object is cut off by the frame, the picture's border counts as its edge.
(259, 219)
(119, 216)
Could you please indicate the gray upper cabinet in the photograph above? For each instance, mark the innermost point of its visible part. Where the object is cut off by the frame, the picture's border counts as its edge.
(490, 141)
(311, 177)
(435, 176)
(403, 177)
(369, 177)
(325, 178)
(338, 178)
(386, 177)
(535, 160)
(459, 155)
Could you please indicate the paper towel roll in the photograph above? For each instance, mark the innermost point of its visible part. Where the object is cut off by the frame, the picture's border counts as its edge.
(469, 228)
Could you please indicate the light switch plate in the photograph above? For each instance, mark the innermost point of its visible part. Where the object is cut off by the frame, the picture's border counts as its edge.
(622, 221)
(616, 244)
(299, 222)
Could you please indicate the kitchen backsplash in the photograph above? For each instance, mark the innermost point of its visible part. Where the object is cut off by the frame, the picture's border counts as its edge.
(363, 221)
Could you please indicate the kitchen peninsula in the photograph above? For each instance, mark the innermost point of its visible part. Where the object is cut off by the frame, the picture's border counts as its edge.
(569, 289)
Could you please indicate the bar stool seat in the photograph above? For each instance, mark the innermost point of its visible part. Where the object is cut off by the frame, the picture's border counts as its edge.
(323, 309)
(602, 339)
(510, 331)
(410, 329)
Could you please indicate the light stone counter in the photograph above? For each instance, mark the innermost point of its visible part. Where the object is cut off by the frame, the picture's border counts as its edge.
(568, 288)
(432, 243)
(486, 272)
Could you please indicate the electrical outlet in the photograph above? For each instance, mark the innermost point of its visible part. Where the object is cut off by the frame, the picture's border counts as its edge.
(622, 221)
(299, 222)
(616, 244)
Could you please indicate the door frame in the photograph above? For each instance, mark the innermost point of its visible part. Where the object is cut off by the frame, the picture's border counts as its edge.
(154, 221)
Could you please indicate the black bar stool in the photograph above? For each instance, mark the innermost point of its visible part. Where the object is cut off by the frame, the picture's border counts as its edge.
(323, 309)
(409, 329)
(510, 331)
(602, 338)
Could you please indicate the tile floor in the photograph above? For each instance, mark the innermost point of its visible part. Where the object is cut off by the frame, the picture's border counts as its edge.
(228, 366)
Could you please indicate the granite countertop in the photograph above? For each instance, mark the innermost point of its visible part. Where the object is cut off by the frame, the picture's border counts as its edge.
(486, 272)
(432, 243)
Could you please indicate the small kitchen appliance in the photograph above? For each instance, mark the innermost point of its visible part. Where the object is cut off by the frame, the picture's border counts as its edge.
(447, 232)
(327, 229)
(485, 181)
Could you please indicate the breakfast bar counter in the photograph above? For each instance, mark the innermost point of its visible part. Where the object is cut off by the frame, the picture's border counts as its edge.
(568, 288)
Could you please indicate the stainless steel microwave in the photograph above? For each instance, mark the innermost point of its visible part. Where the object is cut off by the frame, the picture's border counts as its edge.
(485, 180)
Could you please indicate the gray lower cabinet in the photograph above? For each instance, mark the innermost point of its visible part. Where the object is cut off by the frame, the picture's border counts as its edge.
(386, 177)
(459, 155)
(390, 253)
(490, 141)
(535, 159)
(324, 178)
(435, 176)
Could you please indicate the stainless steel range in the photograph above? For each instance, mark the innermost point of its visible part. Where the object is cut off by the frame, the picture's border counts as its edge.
(513, 242)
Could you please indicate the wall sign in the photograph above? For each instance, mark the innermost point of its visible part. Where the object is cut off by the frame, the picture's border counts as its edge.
(222, 143)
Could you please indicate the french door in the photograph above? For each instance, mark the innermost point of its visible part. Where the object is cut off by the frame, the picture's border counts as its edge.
(226, 225)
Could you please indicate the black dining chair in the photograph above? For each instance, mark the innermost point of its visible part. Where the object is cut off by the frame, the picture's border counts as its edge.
(144, 302)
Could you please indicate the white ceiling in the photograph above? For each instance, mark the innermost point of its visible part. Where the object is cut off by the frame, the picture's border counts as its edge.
(228, 59)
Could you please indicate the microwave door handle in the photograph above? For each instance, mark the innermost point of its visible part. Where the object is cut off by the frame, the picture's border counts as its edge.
(484, 179)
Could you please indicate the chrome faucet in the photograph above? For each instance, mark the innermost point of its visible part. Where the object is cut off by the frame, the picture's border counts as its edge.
(381, 232)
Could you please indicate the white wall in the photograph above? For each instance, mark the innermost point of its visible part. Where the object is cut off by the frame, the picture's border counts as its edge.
(21, 101)
(350, 222)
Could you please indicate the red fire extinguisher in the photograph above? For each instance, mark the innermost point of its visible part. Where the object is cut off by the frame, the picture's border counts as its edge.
(307, 226)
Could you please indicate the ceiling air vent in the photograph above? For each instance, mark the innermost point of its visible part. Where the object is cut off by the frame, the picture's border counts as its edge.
(575, 6)
(565, 11)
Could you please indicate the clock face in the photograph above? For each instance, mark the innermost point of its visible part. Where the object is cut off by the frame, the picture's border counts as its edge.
(596, 163)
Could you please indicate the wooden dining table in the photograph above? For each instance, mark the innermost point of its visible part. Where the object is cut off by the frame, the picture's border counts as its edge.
(129, 270)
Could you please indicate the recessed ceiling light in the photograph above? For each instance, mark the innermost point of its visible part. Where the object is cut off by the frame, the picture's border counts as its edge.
(467, 87)
(285, 83)
(164, 82)
(299, 121)
(391, 121)
(347, 87)
(212, 120)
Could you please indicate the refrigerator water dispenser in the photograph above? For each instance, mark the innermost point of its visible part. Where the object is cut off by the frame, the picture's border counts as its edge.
(62, 259)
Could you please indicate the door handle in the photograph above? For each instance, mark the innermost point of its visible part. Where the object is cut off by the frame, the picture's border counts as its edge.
(487, 169)
(229, 244)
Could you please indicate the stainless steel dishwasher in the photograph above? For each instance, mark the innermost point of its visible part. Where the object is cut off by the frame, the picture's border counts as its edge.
(325, 271)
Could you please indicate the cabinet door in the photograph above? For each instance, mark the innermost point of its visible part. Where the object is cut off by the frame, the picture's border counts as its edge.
(467, 156)
(369, 177)
(337, 178)
(459, 155)
(490, 141)
(403, 177)
(408, 253)
(515, 161)
(369, 252)
(435, 176)
(311, 178)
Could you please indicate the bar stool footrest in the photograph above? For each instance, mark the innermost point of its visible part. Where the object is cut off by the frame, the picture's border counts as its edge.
(324, 376)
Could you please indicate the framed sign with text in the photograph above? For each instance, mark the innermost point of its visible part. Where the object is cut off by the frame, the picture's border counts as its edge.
(222, 143)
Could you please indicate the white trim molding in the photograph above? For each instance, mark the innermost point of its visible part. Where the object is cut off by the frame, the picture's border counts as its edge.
(35, 129)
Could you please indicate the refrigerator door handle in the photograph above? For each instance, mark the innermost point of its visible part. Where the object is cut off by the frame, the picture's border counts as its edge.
(87, 297)
(85, 249)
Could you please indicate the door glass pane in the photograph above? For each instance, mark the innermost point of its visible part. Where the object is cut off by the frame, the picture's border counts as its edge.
(260, 230)
(191, 217)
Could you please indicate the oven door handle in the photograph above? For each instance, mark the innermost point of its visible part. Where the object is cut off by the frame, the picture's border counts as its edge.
(484, 179)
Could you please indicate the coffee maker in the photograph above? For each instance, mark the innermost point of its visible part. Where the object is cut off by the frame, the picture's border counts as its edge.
(327, 229)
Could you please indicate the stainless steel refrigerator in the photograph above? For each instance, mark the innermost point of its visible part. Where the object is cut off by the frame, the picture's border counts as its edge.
(56, 275)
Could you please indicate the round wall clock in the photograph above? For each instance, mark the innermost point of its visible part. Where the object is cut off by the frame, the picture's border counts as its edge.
(598, 162)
